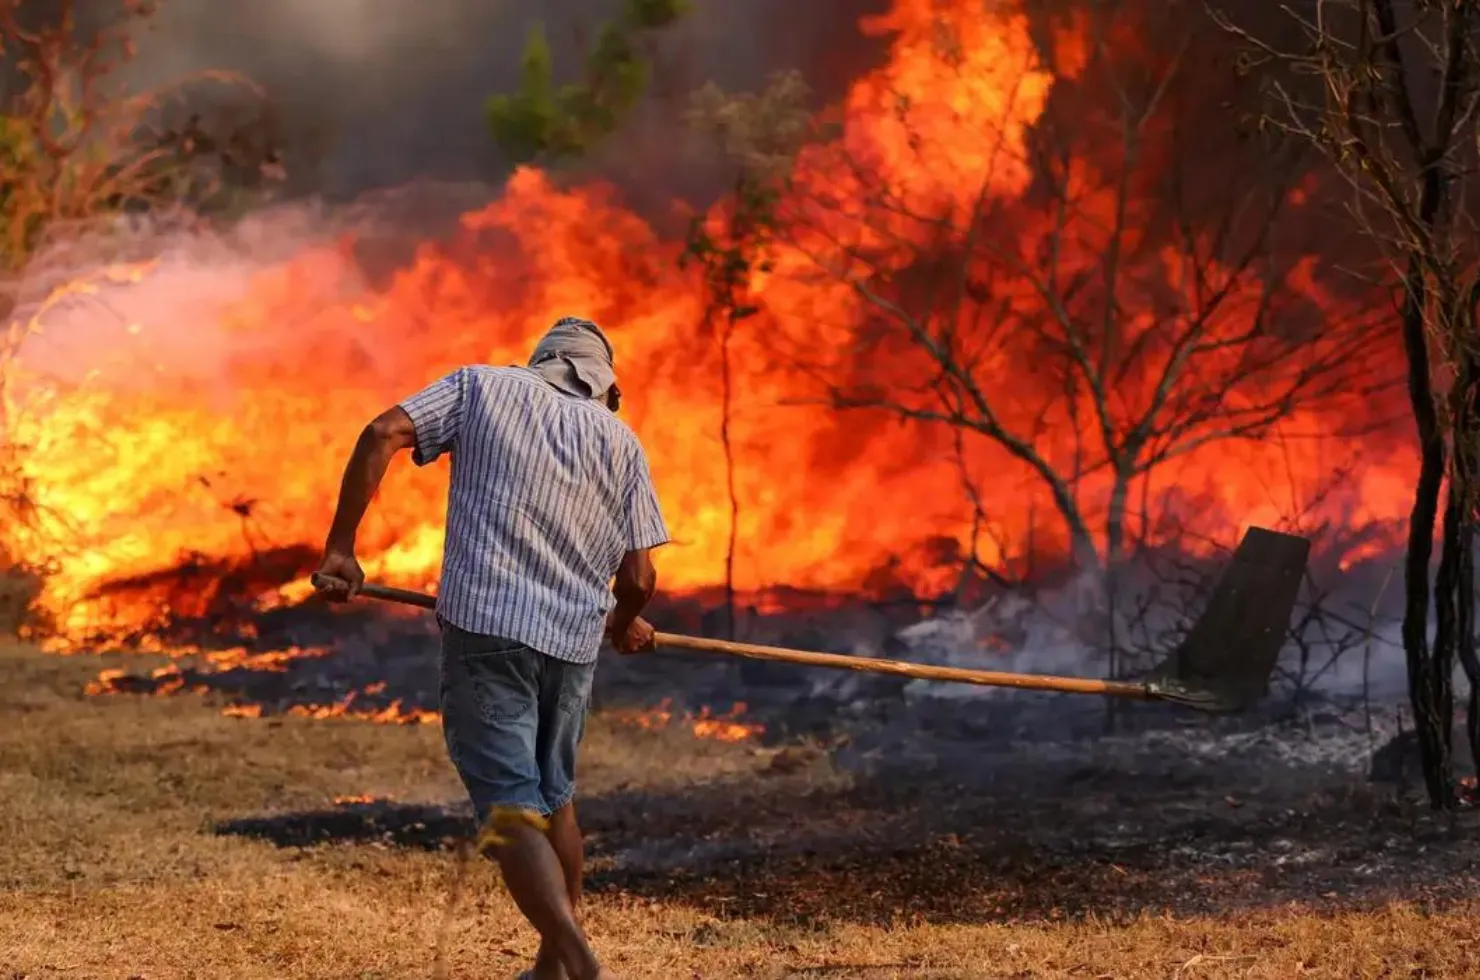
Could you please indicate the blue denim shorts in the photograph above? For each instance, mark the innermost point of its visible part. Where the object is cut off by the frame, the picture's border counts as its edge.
(512, 718)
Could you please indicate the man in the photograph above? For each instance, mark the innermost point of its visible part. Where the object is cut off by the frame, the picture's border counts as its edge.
(551, 513)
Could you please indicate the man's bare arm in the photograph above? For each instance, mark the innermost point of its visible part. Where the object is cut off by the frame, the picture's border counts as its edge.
(636, 581)
(390, 433)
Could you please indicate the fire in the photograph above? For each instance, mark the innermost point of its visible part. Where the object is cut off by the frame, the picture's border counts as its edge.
(393, 713)
(160, 682)
(172, 679)
(725, 728)
(722, 728)
(216, 431)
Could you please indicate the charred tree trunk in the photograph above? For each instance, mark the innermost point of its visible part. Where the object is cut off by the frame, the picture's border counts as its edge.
(1399, 86)
(1448, 614)
(727, 386)
(1114, 547)
(1459, 532)
(1430, 685)
(1082, 547)
(1431, 671)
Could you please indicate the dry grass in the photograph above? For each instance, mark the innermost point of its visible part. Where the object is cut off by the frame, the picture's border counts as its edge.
(108, 869)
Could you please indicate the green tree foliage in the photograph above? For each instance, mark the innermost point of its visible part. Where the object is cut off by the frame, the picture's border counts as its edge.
(545, 122)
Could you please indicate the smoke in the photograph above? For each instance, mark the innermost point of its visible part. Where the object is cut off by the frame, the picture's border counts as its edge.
(1344, 635)
(149, 299)
(372, 99)
(377, 94)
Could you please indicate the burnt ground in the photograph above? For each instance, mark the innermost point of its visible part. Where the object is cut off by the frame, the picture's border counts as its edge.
(1039, 833)
(870, 802)
(1043, 838)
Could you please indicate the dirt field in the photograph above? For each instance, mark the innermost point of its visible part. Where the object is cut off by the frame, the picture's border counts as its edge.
(154, 838)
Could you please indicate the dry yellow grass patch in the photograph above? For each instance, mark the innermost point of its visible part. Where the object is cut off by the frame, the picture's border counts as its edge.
(108, 869)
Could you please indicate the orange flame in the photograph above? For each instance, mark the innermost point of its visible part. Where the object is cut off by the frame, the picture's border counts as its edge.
(359, 798)
(721, 728)
(219, 428)
(344, 708)
(106, 682)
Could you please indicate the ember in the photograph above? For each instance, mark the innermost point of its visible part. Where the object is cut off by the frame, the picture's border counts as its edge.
(392, 713)
(160, 682)
(722, 728)
(359, 799)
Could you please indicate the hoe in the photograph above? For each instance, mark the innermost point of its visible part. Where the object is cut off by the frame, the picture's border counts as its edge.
(1222, 666)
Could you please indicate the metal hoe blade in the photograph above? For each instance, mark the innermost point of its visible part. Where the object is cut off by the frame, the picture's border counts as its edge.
(1225, 663)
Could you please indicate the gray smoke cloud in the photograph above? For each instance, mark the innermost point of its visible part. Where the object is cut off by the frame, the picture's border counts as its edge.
(395, 91)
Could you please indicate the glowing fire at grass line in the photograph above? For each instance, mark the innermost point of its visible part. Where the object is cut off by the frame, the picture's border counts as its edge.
(170, 680)
(107, 682)
(722, 728)
(359, 799)
(392, 714)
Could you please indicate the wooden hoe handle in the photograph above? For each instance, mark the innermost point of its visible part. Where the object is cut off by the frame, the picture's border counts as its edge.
(808, 658)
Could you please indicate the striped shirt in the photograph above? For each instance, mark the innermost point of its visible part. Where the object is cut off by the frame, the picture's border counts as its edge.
(548, 492)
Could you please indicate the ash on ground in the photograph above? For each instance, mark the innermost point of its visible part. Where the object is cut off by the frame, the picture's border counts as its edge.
(874, 796)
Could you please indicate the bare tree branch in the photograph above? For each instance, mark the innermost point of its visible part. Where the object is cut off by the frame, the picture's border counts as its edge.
(1157, 345)
(1388, 92)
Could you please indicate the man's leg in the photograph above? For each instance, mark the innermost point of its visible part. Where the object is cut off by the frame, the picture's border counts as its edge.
(536, 880)
(565, 693)
(564, 834)
(491, 697)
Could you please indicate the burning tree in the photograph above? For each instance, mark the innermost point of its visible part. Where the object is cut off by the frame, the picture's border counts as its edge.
(1074, 290)
(1096, 306)
(1387, 92)
(60, 162)
(75, 150)
(733, 245)
(537, 122)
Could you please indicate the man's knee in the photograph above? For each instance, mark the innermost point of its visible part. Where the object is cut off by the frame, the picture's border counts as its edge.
(504, 827)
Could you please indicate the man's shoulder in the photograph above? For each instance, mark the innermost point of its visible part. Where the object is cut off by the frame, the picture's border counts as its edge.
(625, 434)
(496, 381)
(620, 437)
(528, 380)
(494, 373)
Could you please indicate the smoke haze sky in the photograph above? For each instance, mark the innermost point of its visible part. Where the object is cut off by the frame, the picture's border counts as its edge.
(398, 89)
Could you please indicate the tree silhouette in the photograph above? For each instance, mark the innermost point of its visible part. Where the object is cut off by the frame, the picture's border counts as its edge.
(1387, 92)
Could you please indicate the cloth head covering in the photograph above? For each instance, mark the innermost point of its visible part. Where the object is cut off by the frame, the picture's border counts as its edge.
(575, 356)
